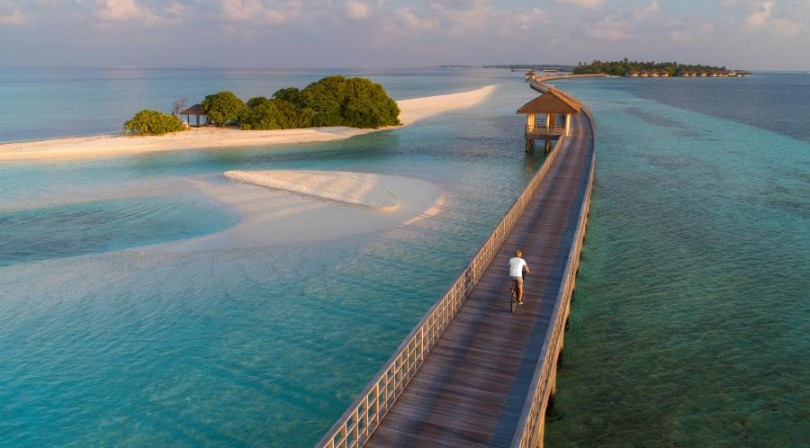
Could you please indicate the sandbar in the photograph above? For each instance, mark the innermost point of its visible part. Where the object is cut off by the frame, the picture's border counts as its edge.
(273, 216)
(116, 145)
(364, 189)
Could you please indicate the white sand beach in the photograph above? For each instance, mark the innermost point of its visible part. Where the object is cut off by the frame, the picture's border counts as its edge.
(412, 110)
(417, 109)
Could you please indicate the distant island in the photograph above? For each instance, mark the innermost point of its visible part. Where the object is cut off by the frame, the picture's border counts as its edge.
(519, 67)
(636, 69)
(535, 67)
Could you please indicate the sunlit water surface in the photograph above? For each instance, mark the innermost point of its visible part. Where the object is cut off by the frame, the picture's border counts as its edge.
(106, 341)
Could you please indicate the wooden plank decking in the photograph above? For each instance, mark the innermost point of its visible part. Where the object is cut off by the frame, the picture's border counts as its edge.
(471, 389)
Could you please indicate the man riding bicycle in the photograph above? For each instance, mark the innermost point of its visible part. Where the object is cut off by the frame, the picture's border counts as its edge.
(516, 267)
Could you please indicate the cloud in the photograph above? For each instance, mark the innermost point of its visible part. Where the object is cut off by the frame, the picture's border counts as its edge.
(529, 20)
(357, 10)
(611, 28)
(412, 22)
(762, 20)
(463, 17)
(240, 10)
(177, 9)
(706, 27)
(127, 11)
(689, 34)
(786, 29)
(13, 18)
(681, 36)
(119, 10)
(757, 19)
(258, 11)
(647, 11)
(585, 3)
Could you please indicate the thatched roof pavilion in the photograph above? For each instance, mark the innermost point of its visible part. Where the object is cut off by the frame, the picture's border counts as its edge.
(552, 103)
(195, 110)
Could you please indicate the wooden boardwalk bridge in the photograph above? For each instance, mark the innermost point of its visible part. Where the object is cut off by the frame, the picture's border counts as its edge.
(472, 373)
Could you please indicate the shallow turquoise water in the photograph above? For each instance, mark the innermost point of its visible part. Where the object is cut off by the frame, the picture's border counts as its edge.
(689, 326)
(691, 315)
(108, 342)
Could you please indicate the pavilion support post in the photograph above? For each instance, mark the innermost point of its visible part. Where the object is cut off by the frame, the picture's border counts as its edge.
(567, 124)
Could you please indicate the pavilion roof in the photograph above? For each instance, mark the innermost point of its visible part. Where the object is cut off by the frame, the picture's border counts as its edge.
(193, 110)
(551, 102)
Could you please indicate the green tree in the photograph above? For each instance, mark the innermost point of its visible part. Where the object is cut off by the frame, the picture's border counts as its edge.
(325, 98)
(276, 114)
(340, 101)
(291, 95)
(152, 122)
(255, 101)
(223, 107)
(367, 105)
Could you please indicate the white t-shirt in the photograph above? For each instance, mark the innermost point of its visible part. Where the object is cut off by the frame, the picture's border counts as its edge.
(516, 266)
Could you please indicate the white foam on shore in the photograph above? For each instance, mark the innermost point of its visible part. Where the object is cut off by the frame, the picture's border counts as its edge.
(365, 189)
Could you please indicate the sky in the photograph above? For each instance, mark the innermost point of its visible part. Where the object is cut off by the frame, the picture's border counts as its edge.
(738, 34)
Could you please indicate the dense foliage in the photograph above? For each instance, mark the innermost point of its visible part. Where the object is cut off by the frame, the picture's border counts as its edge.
(267, 114)
(223, 108)
(331, 101)
(624, 67)
(152, 122)
(367, 105)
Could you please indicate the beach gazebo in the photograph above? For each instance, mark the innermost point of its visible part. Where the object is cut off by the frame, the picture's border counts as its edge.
(548, 116)
(195, 110)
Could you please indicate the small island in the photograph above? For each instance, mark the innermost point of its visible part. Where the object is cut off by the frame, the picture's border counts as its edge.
(205, 137)
(331, 101)
(636, 69)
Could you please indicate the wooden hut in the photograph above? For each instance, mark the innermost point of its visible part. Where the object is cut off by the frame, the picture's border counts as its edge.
(543, 116)
(195, 110)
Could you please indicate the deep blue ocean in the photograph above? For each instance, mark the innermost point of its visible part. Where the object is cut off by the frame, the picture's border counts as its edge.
(689, 326)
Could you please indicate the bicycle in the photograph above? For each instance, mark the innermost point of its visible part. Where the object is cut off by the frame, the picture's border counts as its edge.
(513, 302)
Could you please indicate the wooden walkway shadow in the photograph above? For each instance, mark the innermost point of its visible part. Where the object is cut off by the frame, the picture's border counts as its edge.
(471, 389)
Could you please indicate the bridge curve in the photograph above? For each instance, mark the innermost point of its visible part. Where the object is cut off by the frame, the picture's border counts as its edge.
(490, 373)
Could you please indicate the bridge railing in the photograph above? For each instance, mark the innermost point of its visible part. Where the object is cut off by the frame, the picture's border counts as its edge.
(359, 422)
(529, 433)
(533, 129)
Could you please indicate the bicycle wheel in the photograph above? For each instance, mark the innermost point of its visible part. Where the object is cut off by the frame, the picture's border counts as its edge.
(513, 302)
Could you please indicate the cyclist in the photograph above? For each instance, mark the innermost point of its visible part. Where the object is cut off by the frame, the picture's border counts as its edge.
(516, 267)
